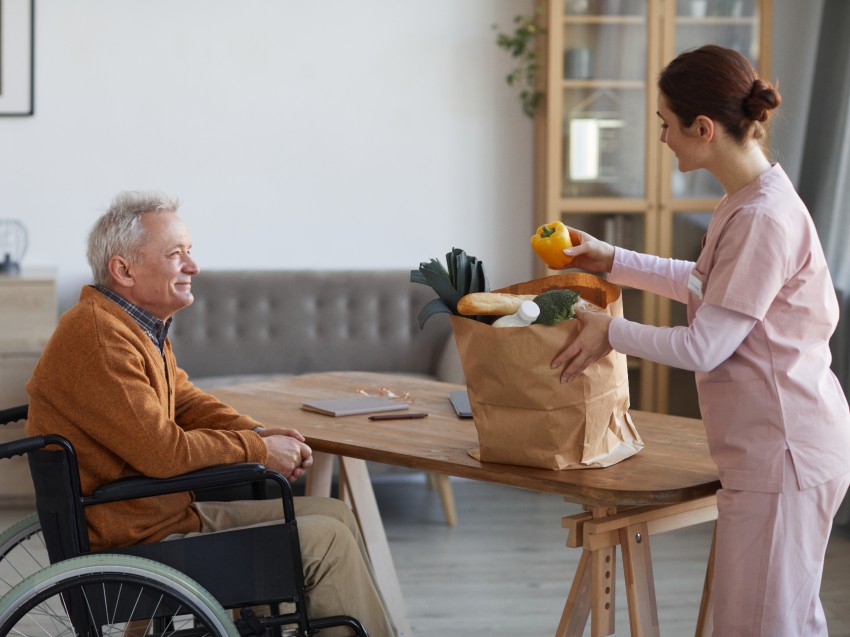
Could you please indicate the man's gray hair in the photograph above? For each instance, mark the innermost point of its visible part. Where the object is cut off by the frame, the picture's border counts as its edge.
(118, 231)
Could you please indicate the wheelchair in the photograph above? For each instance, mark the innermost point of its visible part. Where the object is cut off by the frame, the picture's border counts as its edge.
(22, 548)
(236, 583)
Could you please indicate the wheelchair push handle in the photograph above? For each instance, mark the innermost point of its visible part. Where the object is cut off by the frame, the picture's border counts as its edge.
(13, 414)
(22, 446)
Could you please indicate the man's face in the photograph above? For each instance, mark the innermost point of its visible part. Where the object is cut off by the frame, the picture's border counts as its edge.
(162, 280)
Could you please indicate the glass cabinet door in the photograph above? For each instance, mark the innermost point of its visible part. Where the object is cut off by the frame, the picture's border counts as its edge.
(598, 70)
(604, 98)
(600, 166)
(733, 24)
(690, 197)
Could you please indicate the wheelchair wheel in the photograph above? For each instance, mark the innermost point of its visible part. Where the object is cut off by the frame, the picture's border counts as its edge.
(22, 552)
(111, 595)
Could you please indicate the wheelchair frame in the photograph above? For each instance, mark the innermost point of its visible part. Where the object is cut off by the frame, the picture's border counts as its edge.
(22, 548)
(237, 569)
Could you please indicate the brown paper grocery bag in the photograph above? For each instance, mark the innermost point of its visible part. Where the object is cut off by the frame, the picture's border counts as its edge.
(523, 413)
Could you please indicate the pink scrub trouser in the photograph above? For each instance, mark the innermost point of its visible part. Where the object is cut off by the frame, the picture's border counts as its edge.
(769, 559)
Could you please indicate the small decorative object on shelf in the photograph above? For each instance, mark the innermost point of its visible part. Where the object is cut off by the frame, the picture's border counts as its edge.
(13, 245)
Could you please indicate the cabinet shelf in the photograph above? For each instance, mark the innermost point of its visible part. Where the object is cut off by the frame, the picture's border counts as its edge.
(618, 20)
(603, 205)
(634, 85)
(727, 21)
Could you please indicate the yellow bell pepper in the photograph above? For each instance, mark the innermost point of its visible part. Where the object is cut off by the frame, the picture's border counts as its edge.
(550, 241)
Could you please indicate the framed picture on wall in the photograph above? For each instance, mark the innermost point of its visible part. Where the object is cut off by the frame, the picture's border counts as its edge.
(17, 63)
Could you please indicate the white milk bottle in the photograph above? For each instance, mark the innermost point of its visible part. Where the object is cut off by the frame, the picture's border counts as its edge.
(526, 315)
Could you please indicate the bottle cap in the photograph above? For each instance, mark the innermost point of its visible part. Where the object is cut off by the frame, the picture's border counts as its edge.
(528, 311)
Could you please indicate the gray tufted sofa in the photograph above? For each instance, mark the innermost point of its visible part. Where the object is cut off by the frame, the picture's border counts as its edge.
(246, 325)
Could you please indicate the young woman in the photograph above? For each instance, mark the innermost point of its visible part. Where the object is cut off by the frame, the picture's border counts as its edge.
(761, 310)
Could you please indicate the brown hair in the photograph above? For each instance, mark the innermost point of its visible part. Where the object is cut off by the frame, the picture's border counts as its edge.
(721, 84)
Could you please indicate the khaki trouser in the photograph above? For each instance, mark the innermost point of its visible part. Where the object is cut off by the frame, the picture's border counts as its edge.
(337, 571)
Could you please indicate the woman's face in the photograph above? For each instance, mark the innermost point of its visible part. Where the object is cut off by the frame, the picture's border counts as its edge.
(682, 141)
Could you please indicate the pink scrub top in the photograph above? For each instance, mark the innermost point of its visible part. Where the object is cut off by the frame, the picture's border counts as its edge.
(761, 256)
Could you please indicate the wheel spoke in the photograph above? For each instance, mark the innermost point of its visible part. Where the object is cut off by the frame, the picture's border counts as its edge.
(111, 603)
(22, 552)
(39, 616)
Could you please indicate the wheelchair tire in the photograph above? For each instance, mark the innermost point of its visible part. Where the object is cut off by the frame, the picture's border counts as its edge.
(22, 552)
(109, 594)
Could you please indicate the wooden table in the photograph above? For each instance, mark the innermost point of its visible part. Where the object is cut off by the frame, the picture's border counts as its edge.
(670, 484)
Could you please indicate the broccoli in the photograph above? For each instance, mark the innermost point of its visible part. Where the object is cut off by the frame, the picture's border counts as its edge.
(556, 306)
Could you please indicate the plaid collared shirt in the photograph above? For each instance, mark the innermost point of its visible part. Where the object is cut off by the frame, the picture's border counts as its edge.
(153, 327)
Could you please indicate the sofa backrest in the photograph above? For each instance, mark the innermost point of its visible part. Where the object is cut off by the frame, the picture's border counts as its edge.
(298, 321)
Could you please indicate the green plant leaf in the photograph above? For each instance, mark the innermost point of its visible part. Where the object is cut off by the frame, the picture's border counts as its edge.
(461, 270)
(432, 307)
(521, 44)
(442, 286)
(417, 277)
(451, 267)
(462, 275)
(478, 280)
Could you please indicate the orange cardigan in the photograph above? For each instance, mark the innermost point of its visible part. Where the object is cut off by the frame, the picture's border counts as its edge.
(102, 384)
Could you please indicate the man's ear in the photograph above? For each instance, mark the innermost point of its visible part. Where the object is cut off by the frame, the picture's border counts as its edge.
(705, 128)
(120, 269)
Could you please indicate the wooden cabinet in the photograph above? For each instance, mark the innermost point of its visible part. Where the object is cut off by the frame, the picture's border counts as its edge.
(27, 319)
(599, 165)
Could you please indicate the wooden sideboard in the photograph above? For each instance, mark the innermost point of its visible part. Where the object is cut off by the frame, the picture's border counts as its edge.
(28, 313)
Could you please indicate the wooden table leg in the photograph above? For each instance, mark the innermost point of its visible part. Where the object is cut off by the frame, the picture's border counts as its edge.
(598, 532)
(441, 481)
(358, 487)
(705, 623)
(593, 590)
(603, 572)
(577, 608)
(591, 595)
(320, 475)
(640, 583)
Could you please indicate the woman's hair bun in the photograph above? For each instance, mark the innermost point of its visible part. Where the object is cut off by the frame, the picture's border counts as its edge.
(762, 99)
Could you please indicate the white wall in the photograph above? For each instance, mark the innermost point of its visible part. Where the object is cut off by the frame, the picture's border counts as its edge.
(309, 134)
(324, 134)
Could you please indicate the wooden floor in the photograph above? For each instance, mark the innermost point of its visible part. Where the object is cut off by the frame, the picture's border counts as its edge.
(504, 570)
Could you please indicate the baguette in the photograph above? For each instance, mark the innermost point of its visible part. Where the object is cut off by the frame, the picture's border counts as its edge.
(491, 303)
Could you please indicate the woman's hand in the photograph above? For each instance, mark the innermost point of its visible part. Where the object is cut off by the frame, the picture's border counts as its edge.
(590, 345)
(589, 253)
(287, 452)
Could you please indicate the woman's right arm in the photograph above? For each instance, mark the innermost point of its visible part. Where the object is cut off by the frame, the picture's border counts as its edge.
(667, 277)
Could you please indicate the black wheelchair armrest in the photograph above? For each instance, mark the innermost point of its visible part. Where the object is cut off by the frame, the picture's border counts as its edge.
(218, 476)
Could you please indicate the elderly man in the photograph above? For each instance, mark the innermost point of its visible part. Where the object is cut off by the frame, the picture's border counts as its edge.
(109, 382)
